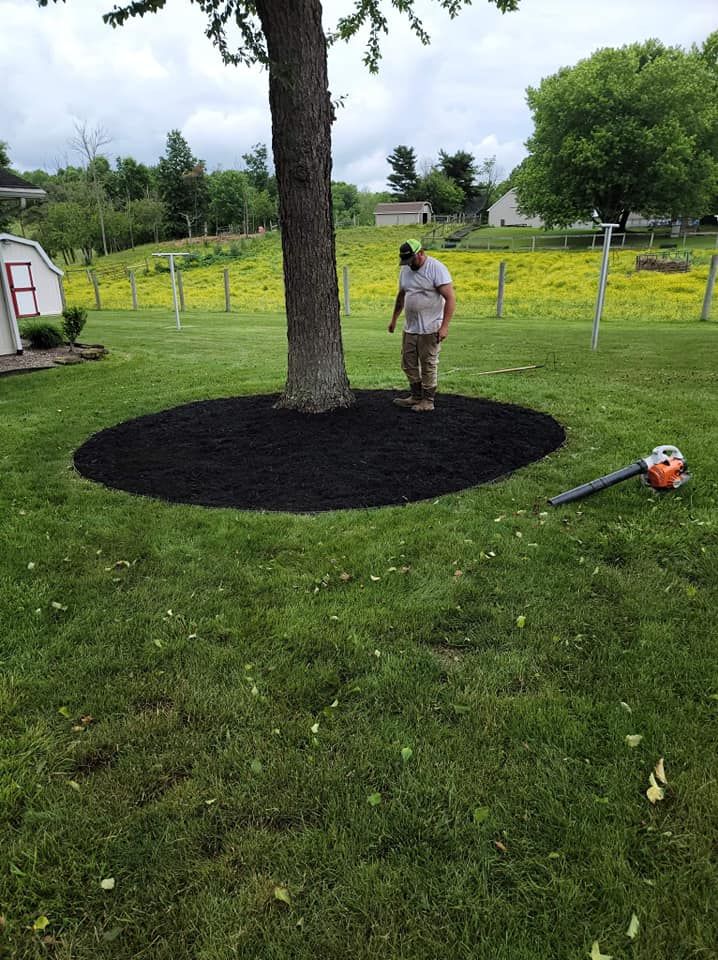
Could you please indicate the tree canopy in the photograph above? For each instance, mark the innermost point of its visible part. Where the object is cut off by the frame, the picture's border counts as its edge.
(633, 128)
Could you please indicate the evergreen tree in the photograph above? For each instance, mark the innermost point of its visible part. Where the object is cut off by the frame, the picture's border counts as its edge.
(461, 168)
(182, 187)
(404, 180)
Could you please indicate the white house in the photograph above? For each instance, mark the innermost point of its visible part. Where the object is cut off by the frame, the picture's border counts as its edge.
(397, 214)
(30, 286)
(505, 213)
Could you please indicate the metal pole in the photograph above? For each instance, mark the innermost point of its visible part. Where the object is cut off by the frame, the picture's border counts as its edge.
(608, 230)
(500, 299)
(133, 287)
(705, 313)
(180, 289)
(226, 291)
(347, 305)
(650, 242)
(174, 290)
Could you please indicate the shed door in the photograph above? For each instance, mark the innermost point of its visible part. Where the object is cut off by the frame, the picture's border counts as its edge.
(22, 287)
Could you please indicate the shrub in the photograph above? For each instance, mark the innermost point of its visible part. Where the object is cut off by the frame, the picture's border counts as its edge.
(73, 320)
(41, 334)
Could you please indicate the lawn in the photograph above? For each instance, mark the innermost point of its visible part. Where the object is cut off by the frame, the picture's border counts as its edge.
(396, 734)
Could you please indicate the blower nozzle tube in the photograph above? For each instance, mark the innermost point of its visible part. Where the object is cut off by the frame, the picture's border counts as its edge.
(593, 486)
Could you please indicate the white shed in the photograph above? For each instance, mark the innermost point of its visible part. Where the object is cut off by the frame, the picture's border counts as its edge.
(398, 214)
(505, 213)
(30, 286)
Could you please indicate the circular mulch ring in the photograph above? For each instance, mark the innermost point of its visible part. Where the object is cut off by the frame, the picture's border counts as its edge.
(240, 452)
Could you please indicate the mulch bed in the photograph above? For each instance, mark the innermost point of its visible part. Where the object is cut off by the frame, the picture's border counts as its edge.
(240, 452)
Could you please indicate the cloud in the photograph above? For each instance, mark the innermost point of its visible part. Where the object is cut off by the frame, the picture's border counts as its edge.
(465, 91)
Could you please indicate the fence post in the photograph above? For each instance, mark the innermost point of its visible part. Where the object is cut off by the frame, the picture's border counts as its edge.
(347, 305)
(650, 242)
(226, 291)
(133, 287)
(565, 242)
(533, 244)
(63, 301)
(705, 313)
(593, 242)
(96, 285)
(180, 290)
(500, 298)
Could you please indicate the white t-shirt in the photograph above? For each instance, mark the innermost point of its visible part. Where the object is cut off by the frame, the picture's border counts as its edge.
(423, 304)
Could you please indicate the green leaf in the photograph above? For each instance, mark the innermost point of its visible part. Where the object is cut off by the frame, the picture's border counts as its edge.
(596, 952)
(65, 712)
(481, 814)
(374, 799)
(633, 926)
(406, 753)
(281, 893)
(108, 883)
(521, 622)
(634, 739)
(40, 923)
(256, 766)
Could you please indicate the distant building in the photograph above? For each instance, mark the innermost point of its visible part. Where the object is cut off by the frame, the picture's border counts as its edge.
(29, 287)
(505, 213)
(397, 214)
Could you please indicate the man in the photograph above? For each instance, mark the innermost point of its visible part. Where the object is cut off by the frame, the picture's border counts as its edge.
(427, 295)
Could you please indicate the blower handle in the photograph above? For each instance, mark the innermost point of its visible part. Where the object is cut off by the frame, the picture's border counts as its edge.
(593, 486)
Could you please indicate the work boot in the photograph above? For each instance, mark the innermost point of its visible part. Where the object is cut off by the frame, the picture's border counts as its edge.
(427, 401)
(414, 397)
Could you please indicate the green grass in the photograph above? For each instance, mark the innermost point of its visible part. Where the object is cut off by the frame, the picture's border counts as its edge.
(206, 645)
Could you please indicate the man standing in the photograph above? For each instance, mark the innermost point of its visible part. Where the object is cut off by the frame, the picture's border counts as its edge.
(427, 295)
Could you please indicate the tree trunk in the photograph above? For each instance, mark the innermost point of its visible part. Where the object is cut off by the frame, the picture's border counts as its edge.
(302, 115)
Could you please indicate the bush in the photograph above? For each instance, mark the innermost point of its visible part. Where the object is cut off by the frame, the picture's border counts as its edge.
(73, 320)
(41, 334)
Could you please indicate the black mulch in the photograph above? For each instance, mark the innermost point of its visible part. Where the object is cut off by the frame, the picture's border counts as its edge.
(241, 452)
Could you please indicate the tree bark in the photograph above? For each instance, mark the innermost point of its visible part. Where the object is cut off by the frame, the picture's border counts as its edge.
(302, 115)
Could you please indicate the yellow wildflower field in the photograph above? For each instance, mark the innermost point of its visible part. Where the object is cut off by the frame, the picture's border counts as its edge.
(545, 283)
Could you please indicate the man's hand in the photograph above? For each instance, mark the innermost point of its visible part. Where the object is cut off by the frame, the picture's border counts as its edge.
(392, 326)
(442, 333)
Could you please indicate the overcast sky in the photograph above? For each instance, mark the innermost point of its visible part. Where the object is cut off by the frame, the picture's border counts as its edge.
(464, 92)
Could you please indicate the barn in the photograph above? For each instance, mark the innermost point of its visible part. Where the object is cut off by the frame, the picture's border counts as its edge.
(30, 286)
(398, 214)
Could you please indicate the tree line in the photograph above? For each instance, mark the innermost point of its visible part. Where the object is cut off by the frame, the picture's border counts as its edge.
(456, 183)
(95, 206)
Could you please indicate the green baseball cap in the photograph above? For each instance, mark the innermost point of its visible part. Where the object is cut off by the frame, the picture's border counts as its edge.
(408, 250)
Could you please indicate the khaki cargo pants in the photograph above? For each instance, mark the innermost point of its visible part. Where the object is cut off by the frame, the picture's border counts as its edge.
(420, 358)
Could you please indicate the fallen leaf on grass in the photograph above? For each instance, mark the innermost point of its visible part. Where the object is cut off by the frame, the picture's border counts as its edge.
(633, 739)
(345, 577)
(660, 771)
(633, 927)
(406, 753)
(481, 814)
(521, 622)
(40, 923)
(108, 883)
(458, 573)
(57, 606)
(374, 799)
(654, 792)
(596, 952)
(372, 577)
(281, 893)
(501, 846)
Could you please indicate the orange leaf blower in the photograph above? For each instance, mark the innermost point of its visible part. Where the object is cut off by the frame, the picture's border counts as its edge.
(663, 469)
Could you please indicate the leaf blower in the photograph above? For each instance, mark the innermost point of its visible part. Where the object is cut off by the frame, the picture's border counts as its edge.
(663, 469)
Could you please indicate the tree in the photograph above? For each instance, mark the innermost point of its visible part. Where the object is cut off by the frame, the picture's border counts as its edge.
(288, 38)
(442, 192)
(88, 142)
(4, 155)
(182, 186)
(634, 128)
(403, 182)
(257, 166)
(461, 168)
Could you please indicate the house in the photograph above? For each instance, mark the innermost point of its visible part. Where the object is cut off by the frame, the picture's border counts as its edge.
(397, 214)
(504, 213)
(13, 187)
(30, 286)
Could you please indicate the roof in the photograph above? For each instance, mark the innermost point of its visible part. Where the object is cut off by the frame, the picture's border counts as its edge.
(10, 238)
(13, 187)
(404, 207)
(503, 195)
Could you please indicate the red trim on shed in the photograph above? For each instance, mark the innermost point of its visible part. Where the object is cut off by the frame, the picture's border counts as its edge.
(22, 285)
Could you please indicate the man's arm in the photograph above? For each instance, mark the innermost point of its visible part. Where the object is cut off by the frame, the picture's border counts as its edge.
(398, 307)
(447, 292)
